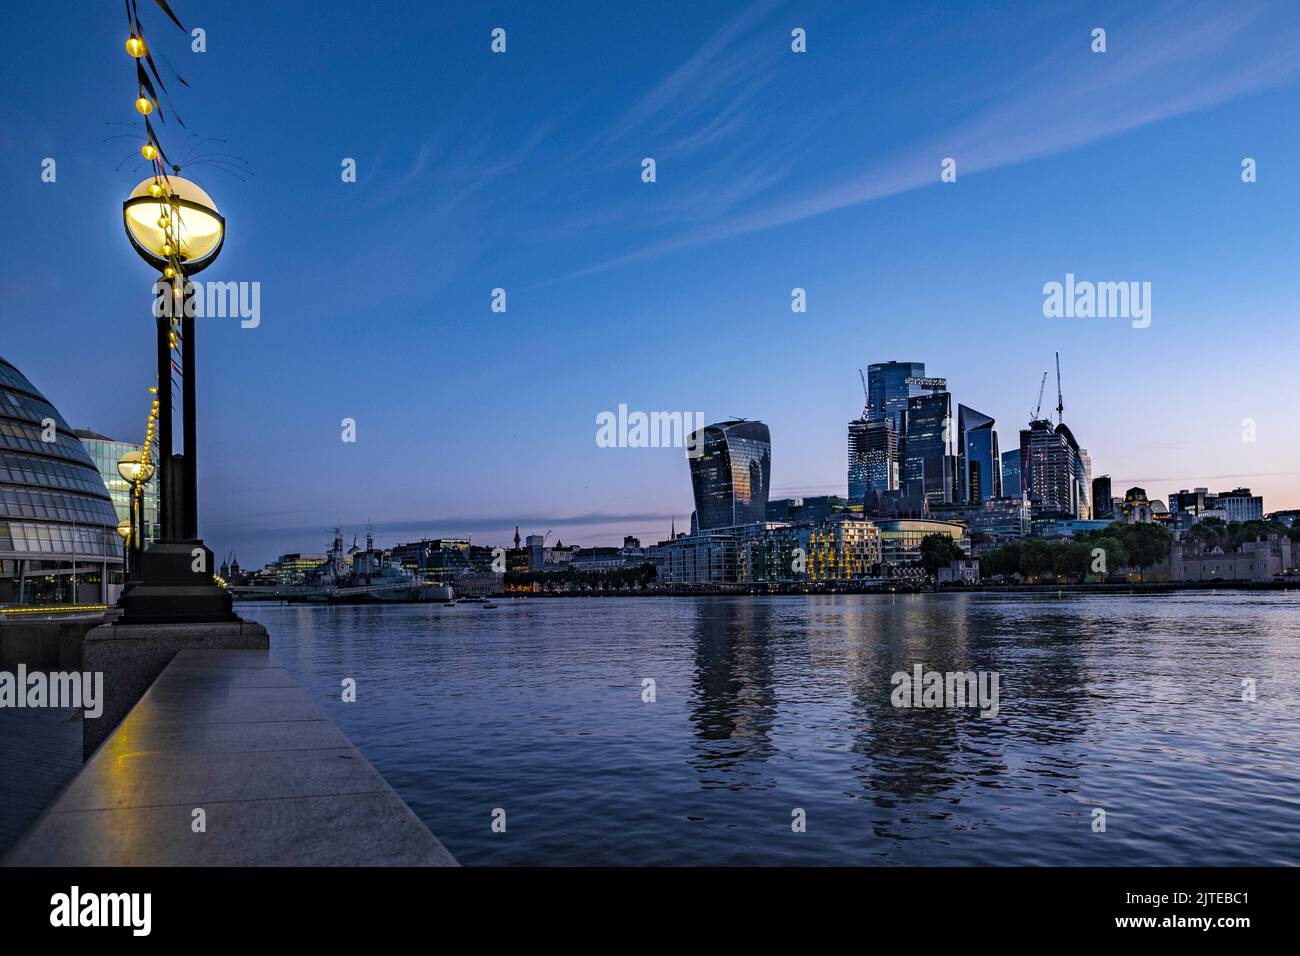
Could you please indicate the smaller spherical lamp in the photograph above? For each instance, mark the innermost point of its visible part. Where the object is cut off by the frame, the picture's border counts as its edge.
(198, 228)
(133, 468)
(124, 528)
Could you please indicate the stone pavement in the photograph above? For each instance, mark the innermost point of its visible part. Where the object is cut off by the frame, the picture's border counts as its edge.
(230, 733)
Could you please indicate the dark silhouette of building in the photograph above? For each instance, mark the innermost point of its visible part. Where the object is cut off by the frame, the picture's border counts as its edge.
(1103, 505)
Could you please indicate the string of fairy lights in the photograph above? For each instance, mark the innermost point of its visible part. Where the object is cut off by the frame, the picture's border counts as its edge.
(169, 220)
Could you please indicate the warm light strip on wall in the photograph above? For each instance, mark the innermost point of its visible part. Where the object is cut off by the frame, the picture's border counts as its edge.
(53, 609)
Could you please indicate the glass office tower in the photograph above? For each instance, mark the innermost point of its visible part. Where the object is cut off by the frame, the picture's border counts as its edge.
(882, 456)
(1083, 469)
(888, 391)
(931, 461)
(1012, 485)
(1053, 471)
(730, 476)
(873, 457)
(857, 459)
(106, 452)
(982, 469)
(890, 385)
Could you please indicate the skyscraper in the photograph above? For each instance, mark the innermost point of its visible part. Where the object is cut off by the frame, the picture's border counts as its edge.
(1084, 466)
(882, 456)
(858, 483)
(931, 460)
(1052, 470)
(1102, 505)
(1012, 486)
(889, 388)
(982, 468)
(1055, 471)
(873, 457)
(730, 478)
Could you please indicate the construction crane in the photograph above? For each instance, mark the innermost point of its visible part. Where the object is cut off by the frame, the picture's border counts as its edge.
(866, 397)
(1033, 416)
(1060, 404)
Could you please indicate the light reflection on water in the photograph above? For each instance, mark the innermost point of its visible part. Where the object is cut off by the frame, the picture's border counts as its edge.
(1128, 703)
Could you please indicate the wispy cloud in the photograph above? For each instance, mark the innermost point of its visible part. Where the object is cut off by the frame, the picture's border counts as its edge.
(690, 91)
(703, 122)
(1167, 63)
(1190, 480)
(253, 530)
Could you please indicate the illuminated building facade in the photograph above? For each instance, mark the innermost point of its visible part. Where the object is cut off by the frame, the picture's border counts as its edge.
(901, 538)
(873, 457)
(890, 385)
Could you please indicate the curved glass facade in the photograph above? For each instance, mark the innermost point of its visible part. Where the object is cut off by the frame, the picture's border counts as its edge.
(730, 477)
(53, 504)
(901, 538)
(982, 467)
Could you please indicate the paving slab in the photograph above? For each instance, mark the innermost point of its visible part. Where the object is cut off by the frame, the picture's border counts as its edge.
(229, 733)
(239, 736)
(133, 656)
(366, 829)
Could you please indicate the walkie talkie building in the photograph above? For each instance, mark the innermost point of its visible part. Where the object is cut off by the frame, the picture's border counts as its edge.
(730, 475)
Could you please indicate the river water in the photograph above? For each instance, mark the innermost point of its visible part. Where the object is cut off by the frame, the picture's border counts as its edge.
(768, 711)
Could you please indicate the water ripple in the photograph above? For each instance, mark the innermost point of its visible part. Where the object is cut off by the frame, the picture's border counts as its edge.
(1131, 704)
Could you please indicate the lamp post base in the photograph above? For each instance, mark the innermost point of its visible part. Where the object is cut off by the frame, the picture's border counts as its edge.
(173, 590)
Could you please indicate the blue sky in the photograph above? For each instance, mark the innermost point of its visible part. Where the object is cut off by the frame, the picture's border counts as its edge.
(775, 170)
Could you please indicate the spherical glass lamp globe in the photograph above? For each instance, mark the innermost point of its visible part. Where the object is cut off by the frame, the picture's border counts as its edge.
(124, 527)
(133, 468)
(198, 228)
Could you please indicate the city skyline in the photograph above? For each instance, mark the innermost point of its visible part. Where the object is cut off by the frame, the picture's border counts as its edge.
(776, 171)
(401, 532)
(924, 388)
(812, 434)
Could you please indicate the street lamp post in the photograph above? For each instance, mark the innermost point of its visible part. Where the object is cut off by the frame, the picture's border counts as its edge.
(175, 227)
(124, 529)
(135, 469)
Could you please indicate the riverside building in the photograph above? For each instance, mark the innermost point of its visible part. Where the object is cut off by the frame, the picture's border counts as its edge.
(58, 527)
(106, 452)
(901, 537)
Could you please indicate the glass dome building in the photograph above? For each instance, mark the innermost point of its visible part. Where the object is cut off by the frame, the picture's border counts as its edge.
(58, 528)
